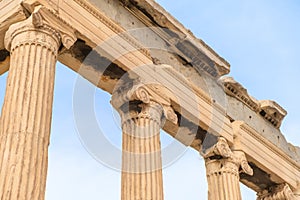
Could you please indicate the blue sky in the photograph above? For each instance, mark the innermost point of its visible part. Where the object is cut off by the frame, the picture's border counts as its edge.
(261, 41)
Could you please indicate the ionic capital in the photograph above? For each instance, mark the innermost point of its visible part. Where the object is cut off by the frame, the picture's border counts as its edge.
(147, 96)
(241, 160)
(279, 192)
(41, 22)
(222, 151)
(221, 148)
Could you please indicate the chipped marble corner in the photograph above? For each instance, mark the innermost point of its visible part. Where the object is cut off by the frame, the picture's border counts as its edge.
(52, 5)
(146, 93)
(269, 110)
(272, 112)
(30, 5)
(279, 192)
(241, 160)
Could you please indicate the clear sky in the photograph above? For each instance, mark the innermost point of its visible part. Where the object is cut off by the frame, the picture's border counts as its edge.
(261, 41)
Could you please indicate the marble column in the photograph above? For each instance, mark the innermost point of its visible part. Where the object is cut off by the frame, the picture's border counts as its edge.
(222, 170)
(141, 148)
(27, 109)
(141, 164)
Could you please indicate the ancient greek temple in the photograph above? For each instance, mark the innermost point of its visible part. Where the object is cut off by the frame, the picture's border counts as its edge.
(159, 75)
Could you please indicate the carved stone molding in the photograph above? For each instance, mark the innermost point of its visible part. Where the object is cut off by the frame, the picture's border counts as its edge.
(277, 165)
(191, 47)
(272, 112)
(223, 167)
(221, 148)
(109, 23)
(280, 192)
(14, 37)
(268, 109)
(240, 158)
(235, 89)
(222, 151)
(146, 94)
(44, 21)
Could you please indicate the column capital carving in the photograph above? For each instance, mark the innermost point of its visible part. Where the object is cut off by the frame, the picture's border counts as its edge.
(148, 95)
(278, 192)
(221, 148)
(42, 20)
(222, 151)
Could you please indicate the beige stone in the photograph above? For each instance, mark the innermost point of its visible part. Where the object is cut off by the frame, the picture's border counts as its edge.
(141, 160)
(141, 123)
(27, 110)
(280, 192)
(26, 116)
(222, 170)
(183, 81)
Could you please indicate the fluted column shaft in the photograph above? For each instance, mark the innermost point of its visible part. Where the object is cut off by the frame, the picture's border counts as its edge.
(141, 159)
(27, 110)
(223, 180)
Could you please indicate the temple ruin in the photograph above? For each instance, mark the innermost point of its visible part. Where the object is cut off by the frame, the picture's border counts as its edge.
(160, 76)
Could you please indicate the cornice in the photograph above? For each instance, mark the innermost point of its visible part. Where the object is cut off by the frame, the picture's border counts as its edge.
(162, 18)
(272, 112)
(269, 110)
(235, 89)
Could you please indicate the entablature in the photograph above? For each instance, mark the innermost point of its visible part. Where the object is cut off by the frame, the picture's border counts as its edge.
(188, 44)
(268, 109)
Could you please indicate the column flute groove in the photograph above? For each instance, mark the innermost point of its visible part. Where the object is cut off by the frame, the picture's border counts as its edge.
(142, 149)
(29, 119)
